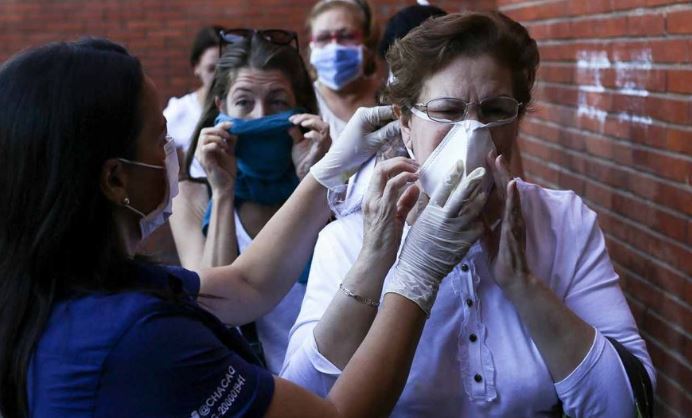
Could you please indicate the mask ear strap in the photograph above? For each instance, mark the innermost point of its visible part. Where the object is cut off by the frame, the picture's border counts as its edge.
(141, 164)
(126, 204)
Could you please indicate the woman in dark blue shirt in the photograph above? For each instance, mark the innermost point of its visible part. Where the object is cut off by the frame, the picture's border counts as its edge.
(86, 172)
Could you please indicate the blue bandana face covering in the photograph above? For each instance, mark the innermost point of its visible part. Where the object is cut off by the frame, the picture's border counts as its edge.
(266, 174)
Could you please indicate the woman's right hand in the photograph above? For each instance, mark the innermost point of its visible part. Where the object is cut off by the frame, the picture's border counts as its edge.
(390, 197)
(363, 135)
(216, 152)
(440, 238)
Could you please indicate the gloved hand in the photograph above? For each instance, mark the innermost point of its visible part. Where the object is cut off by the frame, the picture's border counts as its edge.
(364, 134)
(440, 238)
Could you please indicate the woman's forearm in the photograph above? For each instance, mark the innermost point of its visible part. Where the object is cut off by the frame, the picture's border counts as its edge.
(374, 378)
(266, 270)
(337, 337)
(220, 246)
(562, 338)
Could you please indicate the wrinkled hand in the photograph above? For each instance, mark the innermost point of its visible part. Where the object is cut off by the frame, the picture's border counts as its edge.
(442, 235)
(311, 147)
(216, 152)
(364, 134)
(510, 267)
(390, 197)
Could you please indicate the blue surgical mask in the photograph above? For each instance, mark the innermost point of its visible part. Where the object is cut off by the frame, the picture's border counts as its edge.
(266, 174)
(337, 65)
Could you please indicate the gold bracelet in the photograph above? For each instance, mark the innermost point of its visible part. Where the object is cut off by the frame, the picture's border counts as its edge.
(358, 298)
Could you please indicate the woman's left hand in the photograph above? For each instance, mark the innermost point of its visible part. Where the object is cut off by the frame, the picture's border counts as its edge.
(310, 147)
(510, 267)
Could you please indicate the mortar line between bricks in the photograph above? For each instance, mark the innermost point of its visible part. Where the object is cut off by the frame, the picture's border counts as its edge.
(638, 277)
(624, 219)
(613, 39)
(654, 122)
(649, 258)
(531, 3)
(681, 186)
(636, 12)
(673, 382)
(657, 95)
(624, 193)
(676, 356)
(654, 66)
(621, 141)
(674, 326)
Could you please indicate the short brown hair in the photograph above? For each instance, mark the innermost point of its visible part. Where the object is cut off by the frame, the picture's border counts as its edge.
(438, 41)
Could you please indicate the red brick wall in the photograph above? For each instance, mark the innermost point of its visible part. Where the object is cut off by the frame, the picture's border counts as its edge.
(160, 32)
(612, 122)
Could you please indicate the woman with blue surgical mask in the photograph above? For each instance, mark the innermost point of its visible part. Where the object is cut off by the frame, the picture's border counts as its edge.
(342, 40)
(257, 137)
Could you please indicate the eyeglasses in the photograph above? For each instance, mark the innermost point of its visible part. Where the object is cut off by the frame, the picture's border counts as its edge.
(275, 36)
(451, 110)
(342, 36)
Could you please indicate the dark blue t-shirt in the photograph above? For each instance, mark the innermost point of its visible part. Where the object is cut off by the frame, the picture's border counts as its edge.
(134, 354)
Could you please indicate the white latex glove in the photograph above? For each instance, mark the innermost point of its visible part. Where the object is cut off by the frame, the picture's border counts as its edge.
(440, 238)
(364, 134)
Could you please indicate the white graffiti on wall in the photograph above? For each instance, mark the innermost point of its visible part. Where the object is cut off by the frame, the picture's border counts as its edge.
(630, 79)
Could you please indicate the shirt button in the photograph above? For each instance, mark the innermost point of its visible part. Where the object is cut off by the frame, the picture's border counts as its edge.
(464, 267)
(478, 378)
(469, 302)
(473, 338)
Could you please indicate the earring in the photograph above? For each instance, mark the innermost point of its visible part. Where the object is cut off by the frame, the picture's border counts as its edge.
(126, 201)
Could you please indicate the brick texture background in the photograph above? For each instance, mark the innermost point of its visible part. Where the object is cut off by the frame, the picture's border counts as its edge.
(611, 121)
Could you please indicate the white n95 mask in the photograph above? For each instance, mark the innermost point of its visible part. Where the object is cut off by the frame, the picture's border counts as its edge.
(469, 141)
(149, 222)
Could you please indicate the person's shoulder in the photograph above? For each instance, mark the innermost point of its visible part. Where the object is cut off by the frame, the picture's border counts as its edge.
(179, 105)
(345, 228)
(553, 203)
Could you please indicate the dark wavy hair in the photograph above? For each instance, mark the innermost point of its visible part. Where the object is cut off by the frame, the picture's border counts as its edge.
(260, 54)
(65, 108)
(207, 37)
(439, 40)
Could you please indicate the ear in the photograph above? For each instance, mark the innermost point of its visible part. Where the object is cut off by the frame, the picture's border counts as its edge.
(113, 181)
(220, 104)
(405, 122)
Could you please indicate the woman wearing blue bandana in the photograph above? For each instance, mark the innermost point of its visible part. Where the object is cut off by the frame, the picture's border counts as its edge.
(250, 143)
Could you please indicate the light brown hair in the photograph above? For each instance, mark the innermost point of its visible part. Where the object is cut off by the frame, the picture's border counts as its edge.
(438, 41)
(368, 23)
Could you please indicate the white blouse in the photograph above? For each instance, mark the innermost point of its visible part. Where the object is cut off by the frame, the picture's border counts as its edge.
(475, 357)
(274, 326)
(182, 115)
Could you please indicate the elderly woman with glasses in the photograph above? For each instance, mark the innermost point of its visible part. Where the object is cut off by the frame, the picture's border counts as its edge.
(532, 321)
(257, 137)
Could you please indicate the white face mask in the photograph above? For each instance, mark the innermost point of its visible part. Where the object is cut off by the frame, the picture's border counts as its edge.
(469, 141)
(159, 216)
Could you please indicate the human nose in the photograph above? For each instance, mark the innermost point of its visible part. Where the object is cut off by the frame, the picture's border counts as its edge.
(471, 111)
(259, 111)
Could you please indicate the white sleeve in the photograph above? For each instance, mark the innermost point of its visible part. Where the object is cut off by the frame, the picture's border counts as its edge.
(599, 386)
(332, 259)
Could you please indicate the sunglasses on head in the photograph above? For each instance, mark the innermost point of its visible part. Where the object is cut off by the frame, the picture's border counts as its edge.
(275, 36)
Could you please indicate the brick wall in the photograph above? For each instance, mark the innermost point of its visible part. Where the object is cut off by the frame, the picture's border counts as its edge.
(611, 121)
(160, 32)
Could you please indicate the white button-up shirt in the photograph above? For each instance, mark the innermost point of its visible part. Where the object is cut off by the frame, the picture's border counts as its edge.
(476, 357)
